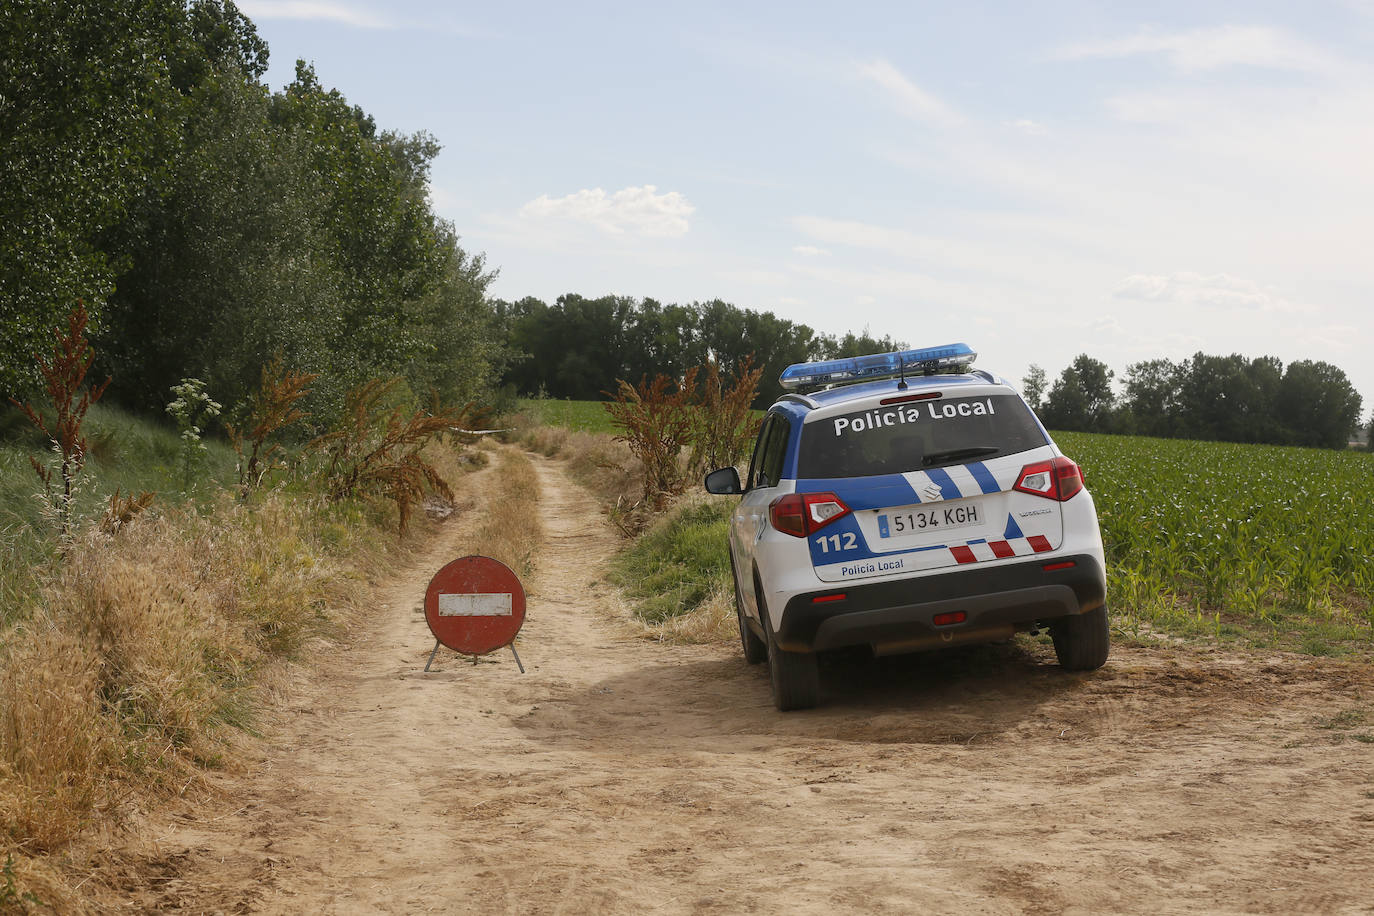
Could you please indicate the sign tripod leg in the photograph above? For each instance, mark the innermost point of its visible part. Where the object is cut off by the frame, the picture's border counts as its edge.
(434, 652)
(517, 658)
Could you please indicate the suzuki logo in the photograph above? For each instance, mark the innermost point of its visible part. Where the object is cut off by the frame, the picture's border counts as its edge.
(933, 493)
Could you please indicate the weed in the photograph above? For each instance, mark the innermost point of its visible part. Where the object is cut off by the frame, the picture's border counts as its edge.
(271, 410)
(10, 895)
(656, 419)
(375, 449)
(191, 408)
(724, 426)
(64, 379)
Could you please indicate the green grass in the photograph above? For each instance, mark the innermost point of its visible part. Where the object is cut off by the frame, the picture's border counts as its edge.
(679, 562)
(127, 453)
(578, 416)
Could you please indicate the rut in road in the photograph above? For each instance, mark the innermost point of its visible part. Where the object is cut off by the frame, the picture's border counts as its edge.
(619, 775)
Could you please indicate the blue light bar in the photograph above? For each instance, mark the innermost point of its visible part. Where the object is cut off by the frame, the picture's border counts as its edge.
(879, 365)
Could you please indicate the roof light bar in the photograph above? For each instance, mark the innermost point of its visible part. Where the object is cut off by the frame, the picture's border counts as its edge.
(928, 360)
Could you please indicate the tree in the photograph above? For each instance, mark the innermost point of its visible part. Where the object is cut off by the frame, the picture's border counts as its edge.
(1033, 386)
(1318, 405)
(1153, 392)
(83, 88)
(1082, 397)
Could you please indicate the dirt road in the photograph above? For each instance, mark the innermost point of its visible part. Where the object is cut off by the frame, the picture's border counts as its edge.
(620, 776)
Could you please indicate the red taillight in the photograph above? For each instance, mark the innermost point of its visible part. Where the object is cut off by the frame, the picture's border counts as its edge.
(1059, 479)
(826, 599)
(950, 618)
(799, 514)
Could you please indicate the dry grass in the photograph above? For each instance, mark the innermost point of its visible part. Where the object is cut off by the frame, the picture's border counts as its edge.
(511, 531)
(711, 622)
(596, 460)
(141, 655)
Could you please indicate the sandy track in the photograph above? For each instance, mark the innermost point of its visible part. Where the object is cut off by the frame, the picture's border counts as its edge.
(622, 776)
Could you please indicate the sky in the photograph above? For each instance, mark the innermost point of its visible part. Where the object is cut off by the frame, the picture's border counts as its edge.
(1130, 181)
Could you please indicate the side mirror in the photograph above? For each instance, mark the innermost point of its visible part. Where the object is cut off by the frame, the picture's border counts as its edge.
(724, 482)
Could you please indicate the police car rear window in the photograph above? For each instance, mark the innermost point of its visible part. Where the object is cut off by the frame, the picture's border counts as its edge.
(916, 435)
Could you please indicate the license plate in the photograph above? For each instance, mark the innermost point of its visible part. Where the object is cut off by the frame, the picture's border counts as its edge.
(920, 521)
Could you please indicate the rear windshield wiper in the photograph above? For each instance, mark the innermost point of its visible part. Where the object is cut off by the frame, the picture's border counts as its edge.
(954, 454)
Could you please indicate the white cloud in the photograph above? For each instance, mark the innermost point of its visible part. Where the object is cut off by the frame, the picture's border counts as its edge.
(1191, 289)
(316, 11)
(911, 99)
(1027, 126)
(809, 251)
(1212, 49)
(639, 211)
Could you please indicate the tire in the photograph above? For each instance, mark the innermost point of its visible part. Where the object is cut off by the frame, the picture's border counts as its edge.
(755, 649)
(795, 676)
(1082, 641)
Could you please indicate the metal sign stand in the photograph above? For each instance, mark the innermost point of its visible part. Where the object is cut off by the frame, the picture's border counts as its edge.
(435, 651)
(475, 605)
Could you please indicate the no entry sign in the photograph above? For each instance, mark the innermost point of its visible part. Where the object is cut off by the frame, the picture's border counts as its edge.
(475, 605)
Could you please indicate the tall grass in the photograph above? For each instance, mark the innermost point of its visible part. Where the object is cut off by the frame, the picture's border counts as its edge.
(129, 660)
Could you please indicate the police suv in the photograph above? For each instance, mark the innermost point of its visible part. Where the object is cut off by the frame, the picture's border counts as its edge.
(908, 502)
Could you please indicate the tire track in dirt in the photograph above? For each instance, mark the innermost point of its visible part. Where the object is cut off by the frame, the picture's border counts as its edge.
(623, 776)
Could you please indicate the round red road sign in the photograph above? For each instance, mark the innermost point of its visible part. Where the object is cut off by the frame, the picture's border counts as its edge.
(475, 605)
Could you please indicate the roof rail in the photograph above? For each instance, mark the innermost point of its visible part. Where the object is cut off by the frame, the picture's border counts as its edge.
(801, 399)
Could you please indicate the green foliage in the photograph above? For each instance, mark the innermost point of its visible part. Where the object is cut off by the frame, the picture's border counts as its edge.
(206, 221)
(578, 416)
(191, 409)
(1081, 398)
(679, 562)
(578, 347)
(10, 895)
(1234, 399)
(82, 93)
(1033, 386)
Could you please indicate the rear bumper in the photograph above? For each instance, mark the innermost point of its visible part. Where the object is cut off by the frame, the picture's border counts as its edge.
(898, 616)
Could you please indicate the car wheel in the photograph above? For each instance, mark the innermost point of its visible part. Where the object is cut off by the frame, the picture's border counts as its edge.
(1082, 641)
(755, 649)
(795, 677)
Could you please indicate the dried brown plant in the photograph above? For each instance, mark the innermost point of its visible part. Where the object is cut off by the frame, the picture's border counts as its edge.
(272, 409)
(724, 425)
(374, 450)
(657, 419)
(64, 380)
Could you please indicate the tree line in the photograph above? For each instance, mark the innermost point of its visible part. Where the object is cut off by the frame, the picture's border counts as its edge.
(208, 224)
(1223, 398)
(579, 348)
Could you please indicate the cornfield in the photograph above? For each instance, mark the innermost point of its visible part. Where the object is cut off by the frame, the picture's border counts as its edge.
(1227, 534)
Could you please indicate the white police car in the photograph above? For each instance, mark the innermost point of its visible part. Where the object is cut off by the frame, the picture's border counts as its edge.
(910, 504)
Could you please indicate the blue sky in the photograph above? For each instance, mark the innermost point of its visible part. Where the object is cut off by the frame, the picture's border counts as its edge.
(1041, 180)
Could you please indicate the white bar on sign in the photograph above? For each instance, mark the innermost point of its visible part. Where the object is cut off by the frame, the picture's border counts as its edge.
(481, 605)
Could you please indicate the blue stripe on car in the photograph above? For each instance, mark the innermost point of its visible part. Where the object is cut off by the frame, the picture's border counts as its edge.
(948, 488)
(984, 477)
